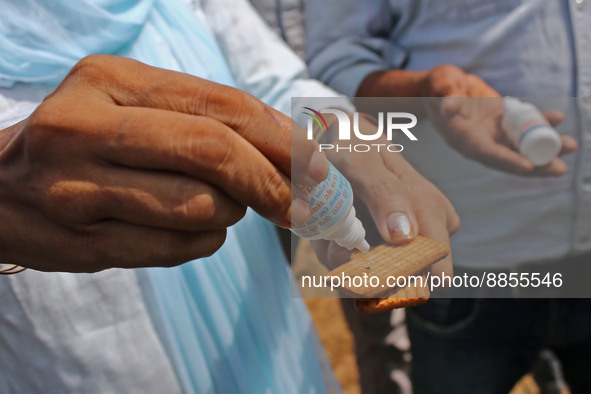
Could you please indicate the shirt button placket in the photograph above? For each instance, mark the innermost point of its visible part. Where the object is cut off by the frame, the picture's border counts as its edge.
(580, 20)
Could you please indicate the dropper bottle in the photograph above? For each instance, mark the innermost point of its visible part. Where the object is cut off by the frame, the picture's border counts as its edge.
(537, 140)
(333, 214)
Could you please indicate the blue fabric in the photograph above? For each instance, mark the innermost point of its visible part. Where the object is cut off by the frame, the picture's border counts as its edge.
(251, 335)
(41, 41)
(228, 322)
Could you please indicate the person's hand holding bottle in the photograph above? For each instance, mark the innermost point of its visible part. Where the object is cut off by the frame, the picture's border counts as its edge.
(126, 165)
(394, 201)
(468, 116)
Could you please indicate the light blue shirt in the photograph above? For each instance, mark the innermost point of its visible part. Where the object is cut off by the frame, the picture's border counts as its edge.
(522, 48)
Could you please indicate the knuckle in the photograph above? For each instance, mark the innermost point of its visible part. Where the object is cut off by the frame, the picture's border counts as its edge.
(213, 99)
(214, 145)
(202, 98)
(454, 224)
(442, 204)
(93, 66)
(227, 150)
(52, 125)
(100, 71)
(474, 79)
(192, 211)
(42, 125)
(241, 101)
(200, 212)
(206, 211)
(275, 194)
(58, 194)
(447, 70)
(66, 200)
(453, 219)
(247, 107)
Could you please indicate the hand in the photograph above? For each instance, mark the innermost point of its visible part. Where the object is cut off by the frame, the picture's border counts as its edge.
(451, 81)
(127, 165)
(441, 81)
(400, 202)
(473, 126)
(470, 126)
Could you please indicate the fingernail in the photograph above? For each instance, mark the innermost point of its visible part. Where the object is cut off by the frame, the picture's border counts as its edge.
(318, 167)
(400, 228)
(299, 212)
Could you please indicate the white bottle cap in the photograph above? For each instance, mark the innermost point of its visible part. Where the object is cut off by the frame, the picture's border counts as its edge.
(511, 104)
(540, 145)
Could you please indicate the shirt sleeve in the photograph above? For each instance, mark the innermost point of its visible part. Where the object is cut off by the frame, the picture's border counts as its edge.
(261, 63)
(349, 39)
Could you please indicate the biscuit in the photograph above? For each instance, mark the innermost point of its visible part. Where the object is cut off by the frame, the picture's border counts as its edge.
(389, 261)
(401, 298)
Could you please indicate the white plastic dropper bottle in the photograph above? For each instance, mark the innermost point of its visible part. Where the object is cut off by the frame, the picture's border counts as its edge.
(538, 141)
(333, 215)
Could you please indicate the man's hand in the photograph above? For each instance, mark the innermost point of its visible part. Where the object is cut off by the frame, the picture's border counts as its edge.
(451, 81)
(401, 203)
(468, 115)
(127, 165)
(469, 119)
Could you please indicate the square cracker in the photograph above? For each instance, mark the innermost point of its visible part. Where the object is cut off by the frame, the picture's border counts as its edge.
(401, 298)
(390, 260)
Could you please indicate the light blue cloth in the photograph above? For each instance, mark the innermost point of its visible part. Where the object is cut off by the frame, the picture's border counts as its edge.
(228, 322)
(251, 336)
(41, 47)
(522, 48)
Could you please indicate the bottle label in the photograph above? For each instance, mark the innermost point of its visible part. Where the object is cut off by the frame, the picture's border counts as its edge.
(328, 201)
(528, 127)
(523, 122)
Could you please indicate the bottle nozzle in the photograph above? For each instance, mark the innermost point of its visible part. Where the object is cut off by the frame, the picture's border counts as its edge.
(363, 247)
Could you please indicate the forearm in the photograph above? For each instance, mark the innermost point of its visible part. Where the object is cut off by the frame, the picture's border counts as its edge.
(393, 83)
(442, 81)
(396, 84)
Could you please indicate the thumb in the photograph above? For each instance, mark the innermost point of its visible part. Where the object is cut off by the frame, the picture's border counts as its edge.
(390, 206)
